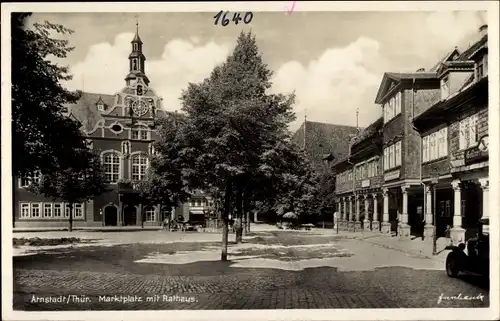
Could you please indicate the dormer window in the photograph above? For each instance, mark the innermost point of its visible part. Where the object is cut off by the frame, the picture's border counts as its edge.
(445, 87)
(100, 106)
(28, 180)
(482, 67)
(139, 90)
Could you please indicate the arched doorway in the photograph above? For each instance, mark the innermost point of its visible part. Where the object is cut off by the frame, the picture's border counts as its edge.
(130, 215)
(110, 216)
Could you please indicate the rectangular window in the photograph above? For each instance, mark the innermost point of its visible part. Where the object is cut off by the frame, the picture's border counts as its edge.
(445, 141)
(35, 210)
(139, 167)
(445, 88)
(47, 210)
(432, 146)
(442, 143)
(135, 134)
(391, 156)
(57, 210)
(66, 210)
(30, 179)
(386, 159)
(473, 130)
(78, 210)
(397, 151)
(479, 69)
(462, 139)
(25, 210)
(144, 135)
(425, 149)
(468, 132)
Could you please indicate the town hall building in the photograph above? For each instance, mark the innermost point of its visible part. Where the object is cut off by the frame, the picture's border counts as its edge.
(122, 128)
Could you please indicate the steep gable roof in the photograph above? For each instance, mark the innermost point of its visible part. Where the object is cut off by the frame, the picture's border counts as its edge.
(469, 53)
(449, 56)
(323, 140)
(390, 79)
(85, 109)
(372, 130)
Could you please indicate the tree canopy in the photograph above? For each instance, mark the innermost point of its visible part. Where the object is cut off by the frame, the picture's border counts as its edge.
(42, 136)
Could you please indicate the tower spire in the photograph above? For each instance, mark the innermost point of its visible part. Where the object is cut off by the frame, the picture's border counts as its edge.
(136, 59)
(357, 118)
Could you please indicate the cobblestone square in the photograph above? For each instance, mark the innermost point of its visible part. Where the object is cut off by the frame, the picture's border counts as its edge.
(189, 275)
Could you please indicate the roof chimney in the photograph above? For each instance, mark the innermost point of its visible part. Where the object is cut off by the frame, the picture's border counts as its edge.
(483, 30)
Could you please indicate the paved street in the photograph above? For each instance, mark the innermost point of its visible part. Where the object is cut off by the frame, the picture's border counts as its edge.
(270, 270)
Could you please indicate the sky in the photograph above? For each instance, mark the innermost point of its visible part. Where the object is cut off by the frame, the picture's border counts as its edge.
(333, 60)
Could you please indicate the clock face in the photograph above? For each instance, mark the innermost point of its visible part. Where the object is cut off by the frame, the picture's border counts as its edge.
(139, 107)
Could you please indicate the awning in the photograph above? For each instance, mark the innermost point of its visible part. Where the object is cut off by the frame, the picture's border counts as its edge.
(196, 212)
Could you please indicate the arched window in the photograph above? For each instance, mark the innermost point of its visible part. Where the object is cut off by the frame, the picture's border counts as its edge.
(139, 90)
(149, 214)
(139, 167)
(111, 162)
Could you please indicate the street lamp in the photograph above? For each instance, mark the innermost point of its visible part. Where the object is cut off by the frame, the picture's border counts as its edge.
(434, 182)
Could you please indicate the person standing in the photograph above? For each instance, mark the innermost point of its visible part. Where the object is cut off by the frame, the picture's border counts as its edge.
(335, 219)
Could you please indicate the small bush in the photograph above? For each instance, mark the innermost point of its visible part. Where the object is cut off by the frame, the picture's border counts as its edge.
(36, 241)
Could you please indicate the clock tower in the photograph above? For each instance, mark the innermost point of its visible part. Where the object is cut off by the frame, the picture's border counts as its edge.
(136, 61)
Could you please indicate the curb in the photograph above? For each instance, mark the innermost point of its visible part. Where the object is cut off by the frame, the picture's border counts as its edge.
(392, 247)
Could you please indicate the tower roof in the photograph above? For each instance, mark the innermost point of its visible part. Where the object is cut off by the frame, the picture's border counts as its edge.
(137, 39)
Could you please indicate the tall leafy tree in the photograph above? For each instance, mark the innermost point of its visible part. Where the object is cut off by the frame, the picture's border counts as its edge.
(42, 137)
(165, 184)
(75, 183)
(231, 121)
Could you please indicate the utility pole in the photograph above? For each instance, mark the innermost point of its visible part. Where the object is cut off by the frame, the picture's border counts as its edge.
(435, 181)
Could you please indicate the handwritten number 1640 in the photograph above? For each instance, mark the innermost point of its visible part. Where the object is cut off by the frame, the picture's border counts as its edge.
(236, 18)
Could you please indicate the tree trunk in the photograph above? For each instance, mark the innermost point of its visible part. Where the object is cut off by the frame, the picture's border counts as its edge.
(141, 208)
(70, 219)
(246, 213)
(225, 221)
(244, 217)
(239, 217)
(248, 221)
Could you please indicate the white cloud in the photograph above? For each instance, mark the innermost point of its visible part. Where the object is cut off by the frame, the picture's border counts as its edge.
(443, 30)
(330, 87)
(334, 85)
(105, 66)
